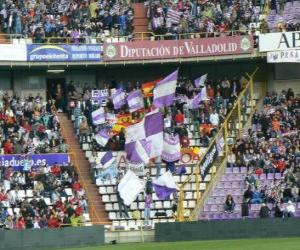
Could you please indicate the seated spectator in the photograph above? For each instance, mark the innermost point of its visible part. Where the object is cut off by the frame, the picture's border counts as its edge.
(289, 209)
(229, 204)
(256, 198)
(264, 211)
(279, 210)
(250, 180)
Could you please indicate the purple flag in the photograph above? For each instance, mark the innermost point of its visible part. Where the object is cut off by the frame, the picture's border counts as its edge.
(98, 116)
(139, 151)
(200, 81)
(202, 96)
(118, 98)
(151, 128)
(164, 91)
(164, 186)
(171, 148)
(135, 100)
(153, 123)
(102, 137)
(107, 159)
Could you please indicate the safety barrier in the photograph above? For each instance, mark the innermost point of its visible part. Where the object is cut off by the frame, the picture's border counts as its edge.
(226, 136)
(136, 36)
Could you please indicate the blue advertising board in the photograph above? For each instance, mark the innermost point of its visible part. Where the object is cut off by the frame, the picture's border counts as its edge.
(63, 52)
(17, 161)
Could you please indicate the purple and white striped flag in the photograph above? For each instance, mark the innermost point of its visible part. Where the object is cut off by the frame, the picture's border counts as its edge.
(150, 128)
(107, 159)
(135, 100)
(102, 137)
(139, 151)
(118, 98)
(164, 91)
(174, 16)
(98, 116)
(200, 81)
(203, 95)
(164, 186)
(171, 148)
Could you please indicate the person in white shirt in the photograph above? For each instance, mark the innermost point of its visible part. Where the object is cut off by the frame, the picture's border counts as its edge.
(214, 118)
(289, 209)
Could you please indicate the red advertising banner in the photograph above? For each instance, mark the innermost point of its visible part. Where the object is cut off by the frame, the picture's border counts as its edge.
(168, 49)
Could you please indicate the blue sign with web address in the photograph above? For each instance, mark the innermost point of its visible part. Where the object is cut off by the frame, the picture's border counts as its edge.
(64, 52)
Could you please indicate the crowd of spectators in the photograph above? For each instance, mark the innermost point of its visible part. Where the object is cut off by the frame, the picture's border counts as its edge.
(66, 19)
(28, 126)
(272, 146)
(33, 194)
(209, 17)
(41, 197)
(204, 119)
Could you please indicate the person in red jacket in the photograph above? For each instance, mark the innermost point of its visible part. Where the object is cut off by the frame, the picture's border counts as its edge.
(20, 224)
(3, 196)
(76, 186)
(78, 211)
(179, 118)
(280, 165)
(56, 170)
(8, 147)
(53, 222)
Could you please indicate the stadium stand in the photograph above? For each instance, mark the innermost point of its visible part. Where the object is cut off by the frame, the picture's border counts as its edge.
(284, 16)
(198, 127)
(96, 21)
(28, 126)
(207, 17)
(262, 173)
(66, 21)
(36, 194)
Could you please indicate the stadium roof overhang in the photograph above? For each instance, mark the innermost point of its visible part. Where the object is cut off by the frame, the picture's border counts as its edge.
(207, 60)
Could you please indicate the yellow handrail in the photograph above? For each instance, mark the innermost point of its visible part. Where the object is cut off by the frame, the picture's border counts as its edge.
(223, 128)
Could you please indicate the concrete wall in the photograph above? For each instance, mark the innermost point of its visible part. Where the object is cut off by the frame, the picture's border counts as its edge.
(227, 229)
(49, 239)
(284, 76)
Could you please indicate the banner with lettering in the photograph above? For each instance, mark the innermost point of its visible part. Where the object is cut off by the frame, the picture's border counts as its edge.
(279, 41)
(17, 161)
(166, 49)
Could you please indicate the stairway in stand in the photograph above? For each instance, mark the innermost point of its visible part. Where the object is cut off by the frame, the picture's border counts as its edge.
(97, 211)
(140, 21)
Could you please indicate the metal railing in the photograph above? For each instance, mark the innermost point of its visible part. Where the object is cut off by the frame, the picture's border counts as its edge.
(230, 130)
(136, 36)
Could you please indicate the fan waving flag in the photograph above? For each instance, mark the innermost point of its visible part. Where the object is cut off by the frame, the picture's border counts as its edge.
(164, 92)
(200, 81)
(203, 95)
(148, 87)
(150, 128)
(135, 100)
(139, 151)
(171, 148)
(107, 159)
(118, 98)
(164, 186)
(200, 97)
(129, 187)
(102, 137)
(174, 16)
(98, 116)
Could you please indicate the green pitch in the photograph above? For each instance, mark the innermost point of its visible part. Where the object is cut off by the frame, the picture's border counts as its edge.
(246, 244)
